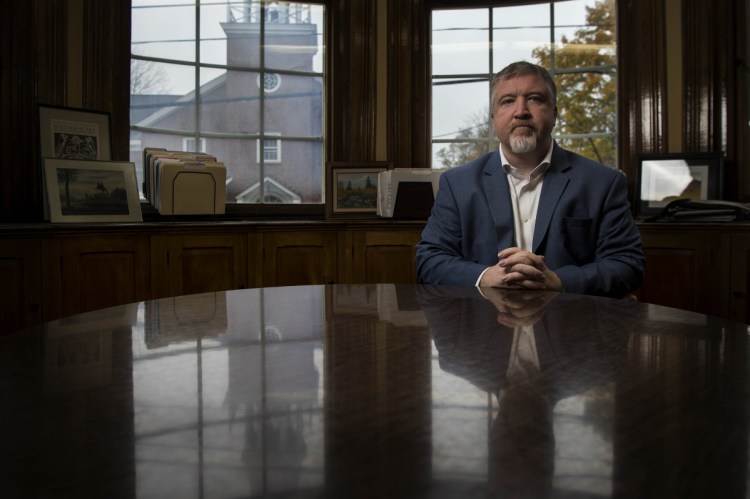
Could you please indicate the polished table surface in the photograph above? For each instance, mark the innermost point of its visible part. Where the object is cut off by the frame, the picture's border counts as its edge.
(376, 390)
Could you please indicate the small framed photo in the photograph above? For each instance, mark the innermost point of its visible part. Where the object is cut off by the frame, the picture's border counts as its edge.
(352, 188)
(91, 191)
(70, 133)
(661, 178)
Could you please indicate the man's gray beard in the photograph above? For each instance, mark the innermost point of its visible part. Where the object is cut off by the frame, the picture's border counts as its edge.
(522, 143)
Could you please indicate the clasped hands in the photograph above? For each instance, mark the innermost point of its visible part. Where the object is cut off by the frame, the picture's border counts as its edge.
(518, 308)
(520, 269)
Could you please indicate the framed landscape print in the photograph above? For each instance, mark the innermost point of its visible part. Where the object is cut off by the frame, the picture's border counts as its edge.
(352, 188)
(91, 191)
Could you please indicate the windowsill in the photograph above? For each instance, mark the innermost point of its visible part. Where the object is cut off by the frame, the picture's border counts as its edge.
(235, 212)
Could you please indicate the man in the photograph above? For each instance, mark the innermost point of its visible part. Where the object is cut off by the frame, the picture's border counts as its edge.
(531, 215)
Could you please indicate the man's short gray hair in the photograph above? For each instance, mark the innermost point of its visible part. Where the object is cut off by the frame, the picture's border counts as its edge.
(522, 68)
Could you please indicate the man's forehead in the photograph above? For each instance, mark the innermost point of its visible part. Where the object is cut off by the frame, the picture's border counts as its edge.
(522, 83)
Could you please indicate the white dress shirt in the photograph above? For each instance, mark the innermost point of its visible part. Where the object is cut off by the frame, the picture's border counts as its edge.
(524, 194)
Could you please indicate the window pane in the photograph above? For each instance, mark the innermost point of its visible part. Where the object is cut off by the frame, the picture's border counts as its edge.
(155, 33)
(213, 39)
(448, 155)
(161, 82)
(161, 96)
(297, 178)
(242, 170)
(518, 31)
(228, 119)
(601, 149)
(294, 25)
(300, 97)
(582, 60)
(300, 173)
(243, 40)
(569, 18)
(459, 108)
(584, 34)
(460, 41)
(229, 102)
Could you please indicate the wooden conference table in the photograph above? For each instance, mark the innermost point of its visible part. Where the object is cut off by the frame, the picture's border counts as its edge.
(376, 390)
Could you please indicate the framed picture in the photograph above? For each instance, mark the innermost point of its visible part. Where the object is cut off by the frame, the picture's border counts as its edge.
(352, 188)
(69, 133)
(91, 191)
(661, 178)
(78, 351)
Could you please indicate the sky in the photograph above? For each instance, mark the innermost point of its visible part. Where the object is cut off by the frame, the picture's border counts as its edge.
(149, 38)
(465, 51)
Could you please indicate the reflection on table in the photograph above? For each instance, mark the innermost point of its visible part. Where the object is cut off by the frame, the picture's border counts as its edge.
(376, 391)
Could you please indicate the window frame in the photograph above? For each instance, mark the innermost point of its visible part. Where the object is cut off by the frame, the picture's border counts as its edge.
(241, 210)
(434, 5)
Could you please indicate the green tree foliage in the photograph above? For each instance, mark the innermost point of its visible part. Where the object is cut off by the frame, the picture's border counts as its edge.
(586, 101)
(478, 135)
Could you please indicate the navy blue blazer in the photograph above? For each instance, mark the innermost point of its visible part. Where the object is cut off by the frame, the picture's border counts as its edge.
(584, 226)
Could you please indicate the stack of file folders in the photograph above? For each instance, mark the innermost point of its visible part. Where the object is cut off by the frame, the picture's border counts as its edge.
(184, 183)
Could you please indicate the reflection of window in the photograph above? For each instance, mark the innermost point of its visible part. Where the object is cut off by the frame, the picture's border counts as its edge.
(271, 151)
(230, 91)
(469, 45)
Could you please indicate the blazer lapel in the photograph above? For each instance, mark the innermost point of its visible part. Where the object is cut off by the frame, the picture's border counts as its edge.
(555, 182)
(495, 185)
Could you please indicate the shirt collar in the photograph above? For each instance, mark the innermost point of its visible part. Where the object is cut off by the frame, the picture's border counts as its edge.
(540, 169)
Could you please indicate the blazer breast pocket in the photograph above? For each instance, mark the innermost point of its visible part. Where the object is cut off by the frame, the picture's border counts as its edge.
(579, 238)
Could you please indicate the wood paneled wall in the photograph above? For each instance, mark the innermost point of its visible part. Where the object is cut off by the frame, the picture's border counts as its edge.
(409, 85)
(715, 88)
(352, 84)
(106, 67)
(642, 80)
(34, 69)
(713, 84)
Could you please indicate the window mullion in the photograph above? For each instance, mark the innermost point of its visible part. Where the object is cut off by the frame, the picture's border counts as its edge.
(552, 69)
(262, 107)
(491, 31)
(197, 74)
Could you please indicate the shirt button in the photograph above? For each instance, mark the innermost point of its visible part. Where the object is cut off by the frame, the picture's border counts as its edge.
(525, 220)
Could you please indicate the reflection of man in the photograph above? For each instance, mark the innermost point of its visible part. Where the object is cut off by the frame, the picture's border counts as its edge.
(522, 440)
(530, 349)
